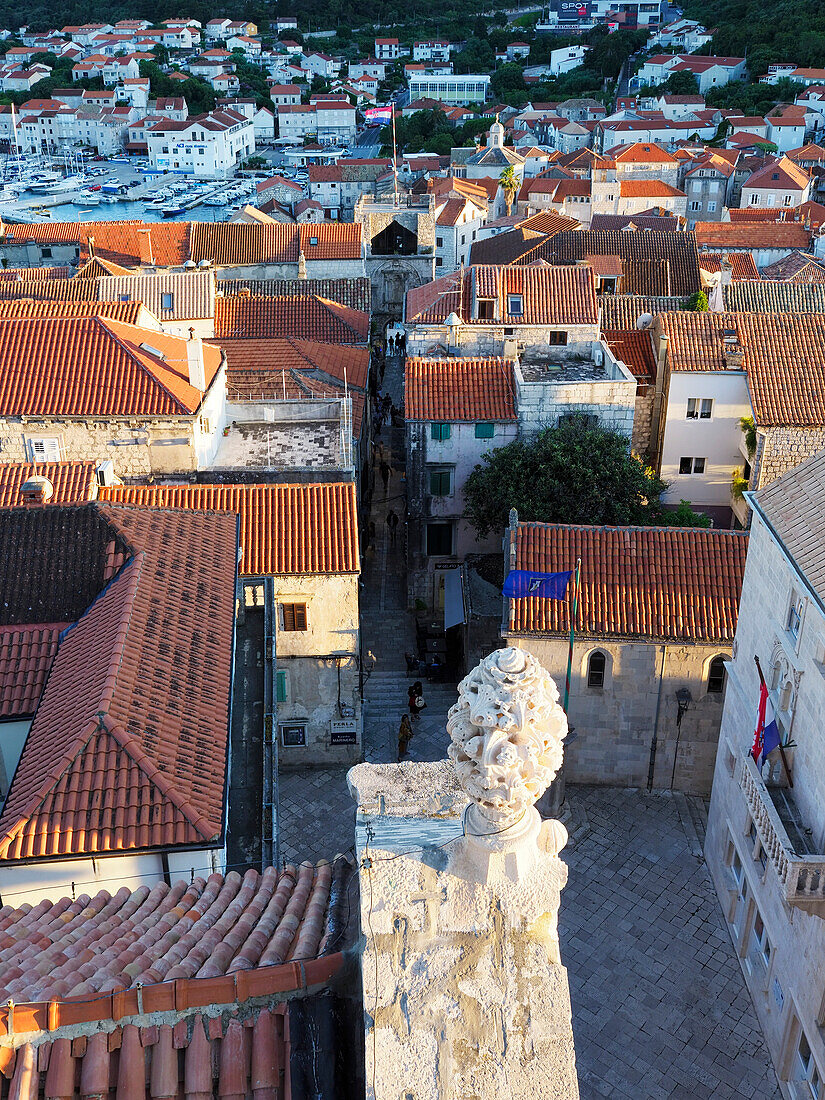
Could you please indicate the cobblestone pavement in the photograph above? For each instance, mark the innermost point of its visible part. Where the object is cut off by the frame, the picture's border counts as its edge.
(660, 1008)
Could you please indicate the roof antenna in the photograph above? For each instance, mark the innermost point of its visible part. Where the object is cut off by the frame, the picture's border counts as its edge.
(461, 294)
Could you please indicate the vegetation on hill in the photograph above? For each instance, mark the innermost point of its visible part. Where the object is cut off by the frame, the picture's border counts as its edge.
(765, 33)
(570, 474)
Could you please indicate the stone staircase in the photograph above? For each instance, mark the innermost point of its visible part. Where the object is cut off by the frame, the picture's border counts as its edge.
(385, 700)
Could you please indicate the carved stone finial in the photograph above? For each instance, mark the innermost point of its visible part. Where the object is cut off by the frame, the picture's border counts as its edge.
(506, 733)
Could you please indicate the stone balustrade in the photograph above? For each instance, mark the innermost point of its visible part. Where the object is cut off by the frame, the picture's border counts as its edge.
(802, 877)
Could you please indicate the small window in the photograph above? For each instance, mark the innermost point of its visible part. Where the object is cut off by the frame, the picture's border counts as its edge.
(691, 465)
(439, 539)
(485, 431)
(167, 301)
(515, 305)
(44, 449)
(124, 298)
(313, 240)
(805, 1072)
(760, 944)
(692, 409)
(46, 253)
(485, 309)
(706, 408)
(439, 242)
(280, 686)
(711, 207)
(440, 432)
(716, 676)
(558, 339)
(440, 483)
(294, 616)
(595, 670)
(795, 616)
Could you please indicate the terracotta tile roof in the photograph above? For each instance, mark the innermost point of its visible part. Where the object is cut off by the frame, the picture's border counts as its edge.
(63, 290)
(648, 189)
(521, 243)
(792, 506)
(563, 295)
(783, 173)
(94, 366)
(355, 293)
(192, 293)
(766, 296)
(697, 339)
(128, 746)
(635, 349)
(96, 267)
(742, 264)
(640, 153)
(459, 389)
(622, 311)
(797, 267)
(304, 318)
(26, 655)
(72, 482)
(548, 222)
(654, 262)
(657, 583)
(664, 222)
(117, 241)
(126, 312)
(753, 235)
(226, 243)
(189, 932)
(284, 529)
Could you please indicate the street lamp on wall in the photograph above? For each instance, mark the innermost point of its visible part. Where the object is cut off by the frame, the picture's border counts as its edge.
(683, 702)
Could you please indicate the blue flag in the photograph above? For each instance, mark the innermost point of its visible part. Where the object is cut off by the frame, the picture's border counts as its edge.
(520, 583)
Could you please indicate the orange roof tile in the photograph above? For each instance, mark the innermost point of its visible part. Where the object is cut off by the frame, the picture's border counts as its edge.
(640, 153)
(128, 746)
(284, 529)
(648, 189)
(94, 366)
(303, 318)
(752, 234)
(656, 583)
(635, 349)
(127, 312)
(72, 482)
(742, 264)
(26, 655)
(459, 389)
(56, 290)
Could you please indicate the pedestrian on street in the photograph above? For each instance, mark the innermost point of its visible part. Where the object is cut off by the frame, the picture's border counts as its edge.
(371, 535)
(405, 732)
(415, 697)
(385, 475)
(392, 524)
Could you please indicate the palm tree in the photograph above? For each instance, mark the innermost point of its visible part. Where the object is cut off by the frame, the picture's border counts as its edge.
(508, 182)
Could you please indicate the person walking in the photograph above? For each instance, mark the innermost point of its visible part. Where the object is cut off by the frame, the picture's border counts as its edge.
(405, 732)
(385, 475)
(371, 535)
(415, 697)
(392, 525)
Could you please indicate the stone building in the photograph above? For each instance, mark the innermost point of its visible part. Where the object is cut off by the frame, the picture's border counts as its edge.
(114, 754)
(399, 248)
(96, 388)
(299, 567)
(655, 622)
(765, 838)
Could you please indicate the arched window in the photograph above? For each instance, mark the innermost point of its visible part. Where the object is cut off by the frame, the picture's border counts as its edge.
(595, 670)
(716, 676)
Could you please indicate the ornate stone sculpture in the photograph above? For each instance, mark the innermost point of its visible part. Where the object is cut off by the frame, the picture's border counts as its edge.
(506, 733)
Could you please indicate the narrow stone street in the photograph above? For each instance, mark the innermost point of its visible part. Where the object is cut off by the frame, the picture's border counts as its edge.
(660, 1009)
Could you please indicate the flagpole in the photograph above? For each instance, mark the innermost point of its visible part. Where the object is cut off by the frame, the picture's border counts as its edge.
(394, 160)
(781, 746)
(572, 633)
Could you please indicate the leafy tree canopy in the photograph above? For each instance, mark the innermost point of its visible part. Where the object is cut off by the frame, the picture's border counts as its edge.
(570, 474)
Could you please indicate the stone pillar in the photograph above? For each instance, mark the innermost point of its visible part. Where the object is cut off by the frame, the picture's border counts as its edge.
(465, 996)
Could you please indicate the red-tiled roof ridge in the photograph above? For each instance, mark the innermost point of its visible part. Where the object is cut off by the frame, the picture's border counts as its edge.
(72, 482)
(470, 389)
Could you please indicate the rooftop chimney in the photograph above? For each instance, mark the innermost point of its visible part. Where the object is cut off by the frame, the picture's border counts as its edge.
(145, 246)
(726, 269)
(194, 359)
(91, 246)
(36, 490)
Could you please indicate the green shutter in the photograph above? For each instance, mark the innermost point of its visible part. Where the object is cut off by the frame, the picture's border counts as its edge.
(280, 686)
(485, 431)
(440, 432)
(439, 483)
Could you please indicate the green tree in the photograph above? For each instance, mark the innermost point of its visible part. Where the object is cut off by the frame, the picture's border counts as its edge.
(697, 302)
(681, 83)
(570, 474)
(509, 184)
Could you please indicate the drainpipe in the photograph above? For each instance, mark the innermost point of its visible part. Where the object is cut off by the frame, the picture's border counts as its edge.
(652, 765)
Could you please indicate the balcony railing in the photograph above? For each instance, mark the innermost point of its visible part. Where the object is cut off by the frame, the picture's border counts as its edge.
(801, 876)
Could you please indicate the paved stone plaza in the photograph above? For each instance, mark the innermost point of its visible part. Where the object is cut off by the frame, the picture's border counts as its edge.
(660, 1008)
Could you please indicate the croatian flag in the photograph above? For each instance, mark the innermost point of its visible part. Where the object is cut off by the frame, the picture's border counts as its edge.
(378, 114)
(520, 583)
(766, 737)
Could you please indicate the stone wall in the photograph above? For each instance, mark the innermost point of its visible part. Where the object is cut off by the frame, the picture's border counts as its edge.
(783, 449)
(490, 339)
(641, 442)
(615, 724)
(543, 403)
(321, 664)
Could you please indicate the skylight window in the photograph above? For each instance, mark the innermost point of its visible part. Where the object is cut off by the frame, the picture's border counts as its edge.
(152, 351)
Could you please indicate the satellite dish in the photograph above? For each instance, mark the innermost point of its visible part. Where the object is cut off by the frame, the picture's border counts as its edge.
(645, 321)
